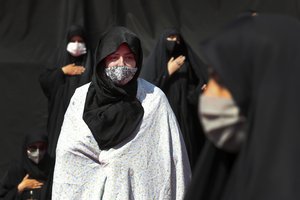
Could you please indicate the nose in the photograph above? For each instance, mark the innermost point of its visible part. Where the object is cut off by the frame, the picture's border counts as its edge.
(121, 61)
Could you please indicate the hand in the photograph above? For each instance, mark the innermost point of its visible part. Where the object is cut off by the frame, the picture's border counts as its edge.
(29, 184)
(73, 69)
(174, 65)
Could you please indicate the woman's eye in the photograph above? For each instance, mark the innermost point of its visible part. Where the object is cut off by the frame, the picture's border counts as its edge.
(32, 149)
(114, 58)
(129, 57)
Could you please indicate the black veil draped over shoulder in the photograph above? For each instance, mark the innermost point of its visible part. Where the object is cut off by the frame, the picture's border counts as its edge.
(181, 88)
(59, 87)
(113, 112)
(257, 59)
(19, 168)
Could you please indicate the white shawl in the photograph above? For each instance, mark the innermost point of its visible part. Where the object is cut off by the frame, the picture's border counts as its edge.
(151, 164)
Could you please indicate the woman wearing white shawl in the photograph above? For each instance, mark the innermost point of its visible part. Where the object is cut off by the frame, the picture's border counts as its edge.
(120, 138)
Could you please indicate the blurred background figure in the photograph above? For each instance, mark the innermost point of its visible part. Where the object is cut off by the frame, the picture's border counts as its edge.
(70, 68)
(251, 107)
(174, 68)
(27, 177)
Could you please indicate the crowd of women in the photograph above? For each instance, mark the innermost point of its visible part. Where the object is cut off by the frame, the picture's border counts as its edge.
(171, 126)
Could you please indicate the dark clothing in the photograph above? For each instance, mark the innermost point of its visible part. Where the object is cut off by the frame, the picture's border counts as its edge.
(59, 87)
(113, 112)
(210, 173)
(257, 59)
(12, 178)
(20, 168)
(181, 88)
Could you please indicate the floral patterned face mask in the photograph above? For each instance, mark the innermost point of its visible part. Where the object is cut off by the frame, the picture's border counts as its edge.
(120, 75)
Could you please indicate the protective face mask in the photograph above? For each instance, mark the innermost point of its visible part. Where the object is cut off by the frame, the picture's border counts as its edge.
(222, 122)
(120, 75)
(76, 48)
(173, 48)
(36, 155)
(170, 45)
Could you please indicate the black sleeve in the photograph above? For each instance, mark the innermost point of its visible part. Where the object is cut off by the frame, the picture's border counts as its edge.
(50, 80)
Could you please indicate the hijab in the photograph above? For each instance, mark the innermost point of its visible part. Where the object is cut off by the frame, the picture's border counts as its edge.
(58, 87)
(36, 171)
(113, 112)
(19, 168)
(156, 64)
(63, 57)
(257, 58)
(182, 88)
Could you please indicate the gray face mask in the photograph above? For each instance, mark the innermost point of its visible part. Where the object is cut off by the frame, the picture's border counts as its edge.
(120, 75)
(36, 155)
(222, 122)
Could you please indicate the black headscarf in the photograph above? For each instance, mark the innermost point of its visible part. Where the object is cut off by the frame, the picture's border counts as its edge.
(58, 87)
(113, 112)
(257, 59)
(36, 171)
(155, 69)
(181, 88)
(19, 168)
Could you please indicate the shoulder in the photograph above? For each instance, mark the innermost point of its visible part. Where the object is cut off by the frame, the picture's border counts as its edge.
(78, 98)
(148, 88)
(149, 92)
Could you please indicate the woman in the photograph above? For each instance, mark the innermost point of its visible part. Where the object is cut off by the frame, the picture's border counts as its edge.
(173, 67)
(70, 68)
(120, 139)
(255, 81)
(27, 178)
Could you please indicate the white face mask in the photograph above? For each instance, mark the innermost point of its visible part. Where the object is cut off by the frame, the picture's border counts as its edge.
(222, 122)
(76, 48)
(36, 155)
(120, 75)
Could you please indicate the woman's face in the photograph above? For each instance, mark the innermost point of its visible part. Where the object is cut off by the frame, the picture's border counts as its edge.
(121, 57)
(76, 38)
(36, 151)
(174, 38)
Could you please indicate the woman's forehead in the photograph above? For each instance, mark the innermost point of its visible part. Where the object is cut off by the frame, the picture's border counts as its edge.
(37, 144)
(123, 49)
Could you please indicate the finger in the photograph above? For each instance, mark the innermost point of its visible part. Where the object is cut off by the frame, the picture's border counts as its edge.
(36, 186)
(171, 59)
(26, 177)
(178, 57)
(181, 58)
(78, 68)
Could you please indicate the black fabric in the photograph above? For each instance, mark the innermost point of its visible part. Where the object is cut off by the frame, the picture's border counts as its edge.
(181, 88)
(257, 59)
(113, 112)
(59, 87)
(31, 31)
(210, 174)
(23, 166)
